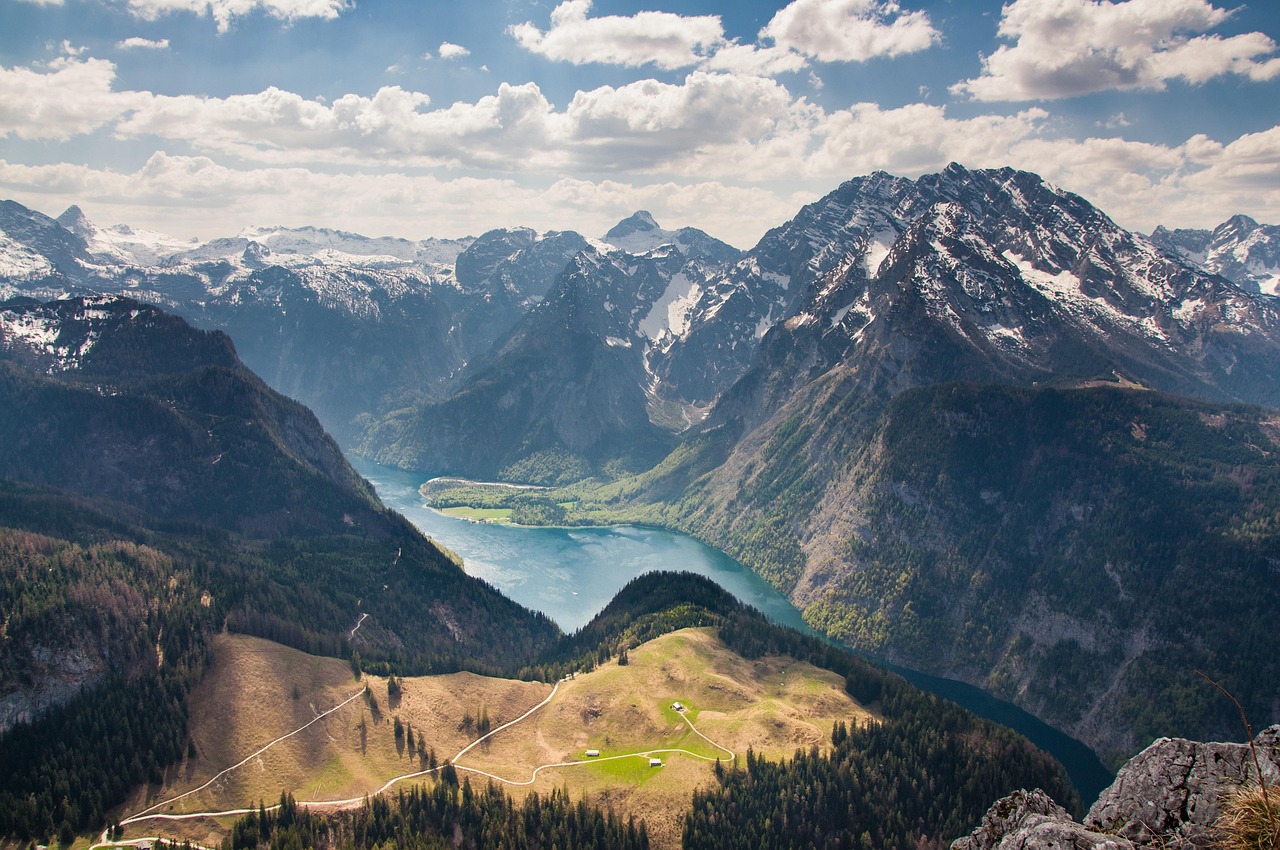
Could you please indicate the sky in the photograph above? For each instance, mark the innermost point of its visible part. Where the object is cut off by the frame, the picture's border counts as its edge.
(417, 118)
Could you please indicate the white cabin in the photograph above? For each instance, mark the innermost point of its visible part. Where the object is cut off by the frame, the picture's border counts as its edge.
(655, 762)
(593, 753)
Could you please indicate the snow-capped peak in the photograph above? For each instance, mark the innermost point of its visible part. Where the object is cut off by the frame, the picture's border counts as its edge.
(638, 234)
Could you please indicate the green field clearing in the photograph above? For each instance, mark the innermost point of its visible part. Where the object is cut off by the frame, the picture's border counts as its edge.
(478, 514)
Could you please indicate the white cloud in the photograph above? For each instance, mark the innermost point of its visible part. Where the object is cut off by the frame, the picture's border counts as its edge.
(449, 50)
(73, 98)
(664, 39)
(850, 30)
(754, 60)
(143, 43)
(748, 135)
(224, 11)
(1066, 48)
(514, 128)
(924, 138)
(196, 195)
(44, 2)
(649, 123)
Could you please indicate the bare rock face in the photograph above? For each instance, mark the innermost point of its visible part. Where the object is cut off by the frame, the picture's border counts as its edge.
(1169, 795)
(1174, 788)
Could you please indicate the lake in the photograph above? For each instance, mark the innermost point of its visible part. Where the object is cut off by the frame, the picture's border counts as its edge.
(570, 574)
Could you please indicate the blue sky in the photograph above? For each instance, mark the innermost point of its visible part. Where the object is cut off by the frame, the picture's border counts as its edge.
(201, 117)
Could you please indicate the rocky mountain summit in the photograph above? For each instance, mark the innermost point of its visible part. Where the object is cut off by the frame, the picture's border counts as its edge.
(1172, 794)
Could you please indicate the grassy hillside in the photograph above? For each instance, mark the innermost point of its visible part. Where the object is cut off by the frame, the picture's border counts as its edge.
(255, 691)
(755, 694)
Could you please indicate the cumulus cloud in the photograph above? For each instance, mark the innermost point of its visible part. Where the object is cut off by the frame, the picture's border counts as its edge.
(72, 97)
(224, 12)
(1066, 48)
(852, 141)
(649, 123)
(666, 40)
(850, 30)
(505, 130)
(448, 50)
(138, 43)
(827, 30)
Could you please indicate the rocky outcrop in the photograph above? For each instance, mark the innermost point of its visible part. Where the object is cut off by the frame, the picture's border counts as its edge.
(1031, 820)
(1169, 795)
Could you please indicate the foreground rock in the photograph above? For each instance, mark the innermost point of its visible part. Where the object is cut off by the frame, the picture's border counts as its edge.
(1169, 795)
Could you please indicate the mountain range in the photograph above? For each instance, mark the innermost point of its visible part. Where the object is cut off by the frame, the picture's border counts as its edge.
(964, 421)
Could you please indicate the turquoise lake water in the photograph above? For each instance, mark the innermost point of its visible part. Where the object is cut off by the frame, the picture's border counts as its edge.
(571, 574)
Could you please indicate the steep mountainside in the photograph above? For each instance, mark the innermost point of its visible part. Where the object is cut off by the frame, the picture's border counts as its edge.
(562, 397)
(174, 443)
(134, 406)
(499, 278)
(1079, 552)
(999, 276)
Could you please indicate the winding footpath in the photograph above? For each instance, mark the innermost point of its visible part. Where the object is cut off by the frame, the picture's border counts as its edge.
(150, 813)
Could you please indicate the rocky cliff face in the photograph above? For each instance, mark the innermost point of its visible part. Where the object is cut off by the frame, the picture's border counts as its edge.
(1170, 795)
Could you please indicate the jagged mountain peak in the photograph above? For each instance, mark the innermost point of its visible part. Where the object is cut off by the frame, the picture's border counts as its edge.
(1240, 249)
(1238, 223)
(638, 222)
(35, 247)
(641, 234)
(74, 219)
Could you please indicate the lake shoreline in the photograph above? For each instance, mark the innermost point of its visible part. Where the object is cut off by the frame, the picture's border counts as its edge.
(570, 573)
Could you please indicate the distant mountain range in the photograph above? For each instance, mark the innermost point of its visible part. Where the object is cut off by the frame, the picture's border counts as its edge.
(1239, 249)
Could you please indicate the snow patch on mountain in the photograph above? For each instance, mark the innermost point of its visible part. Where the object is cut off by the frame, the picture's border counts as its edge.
(19, 262)
(60, 339)
(878, 246)
(1064, 284)
(670, 313)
